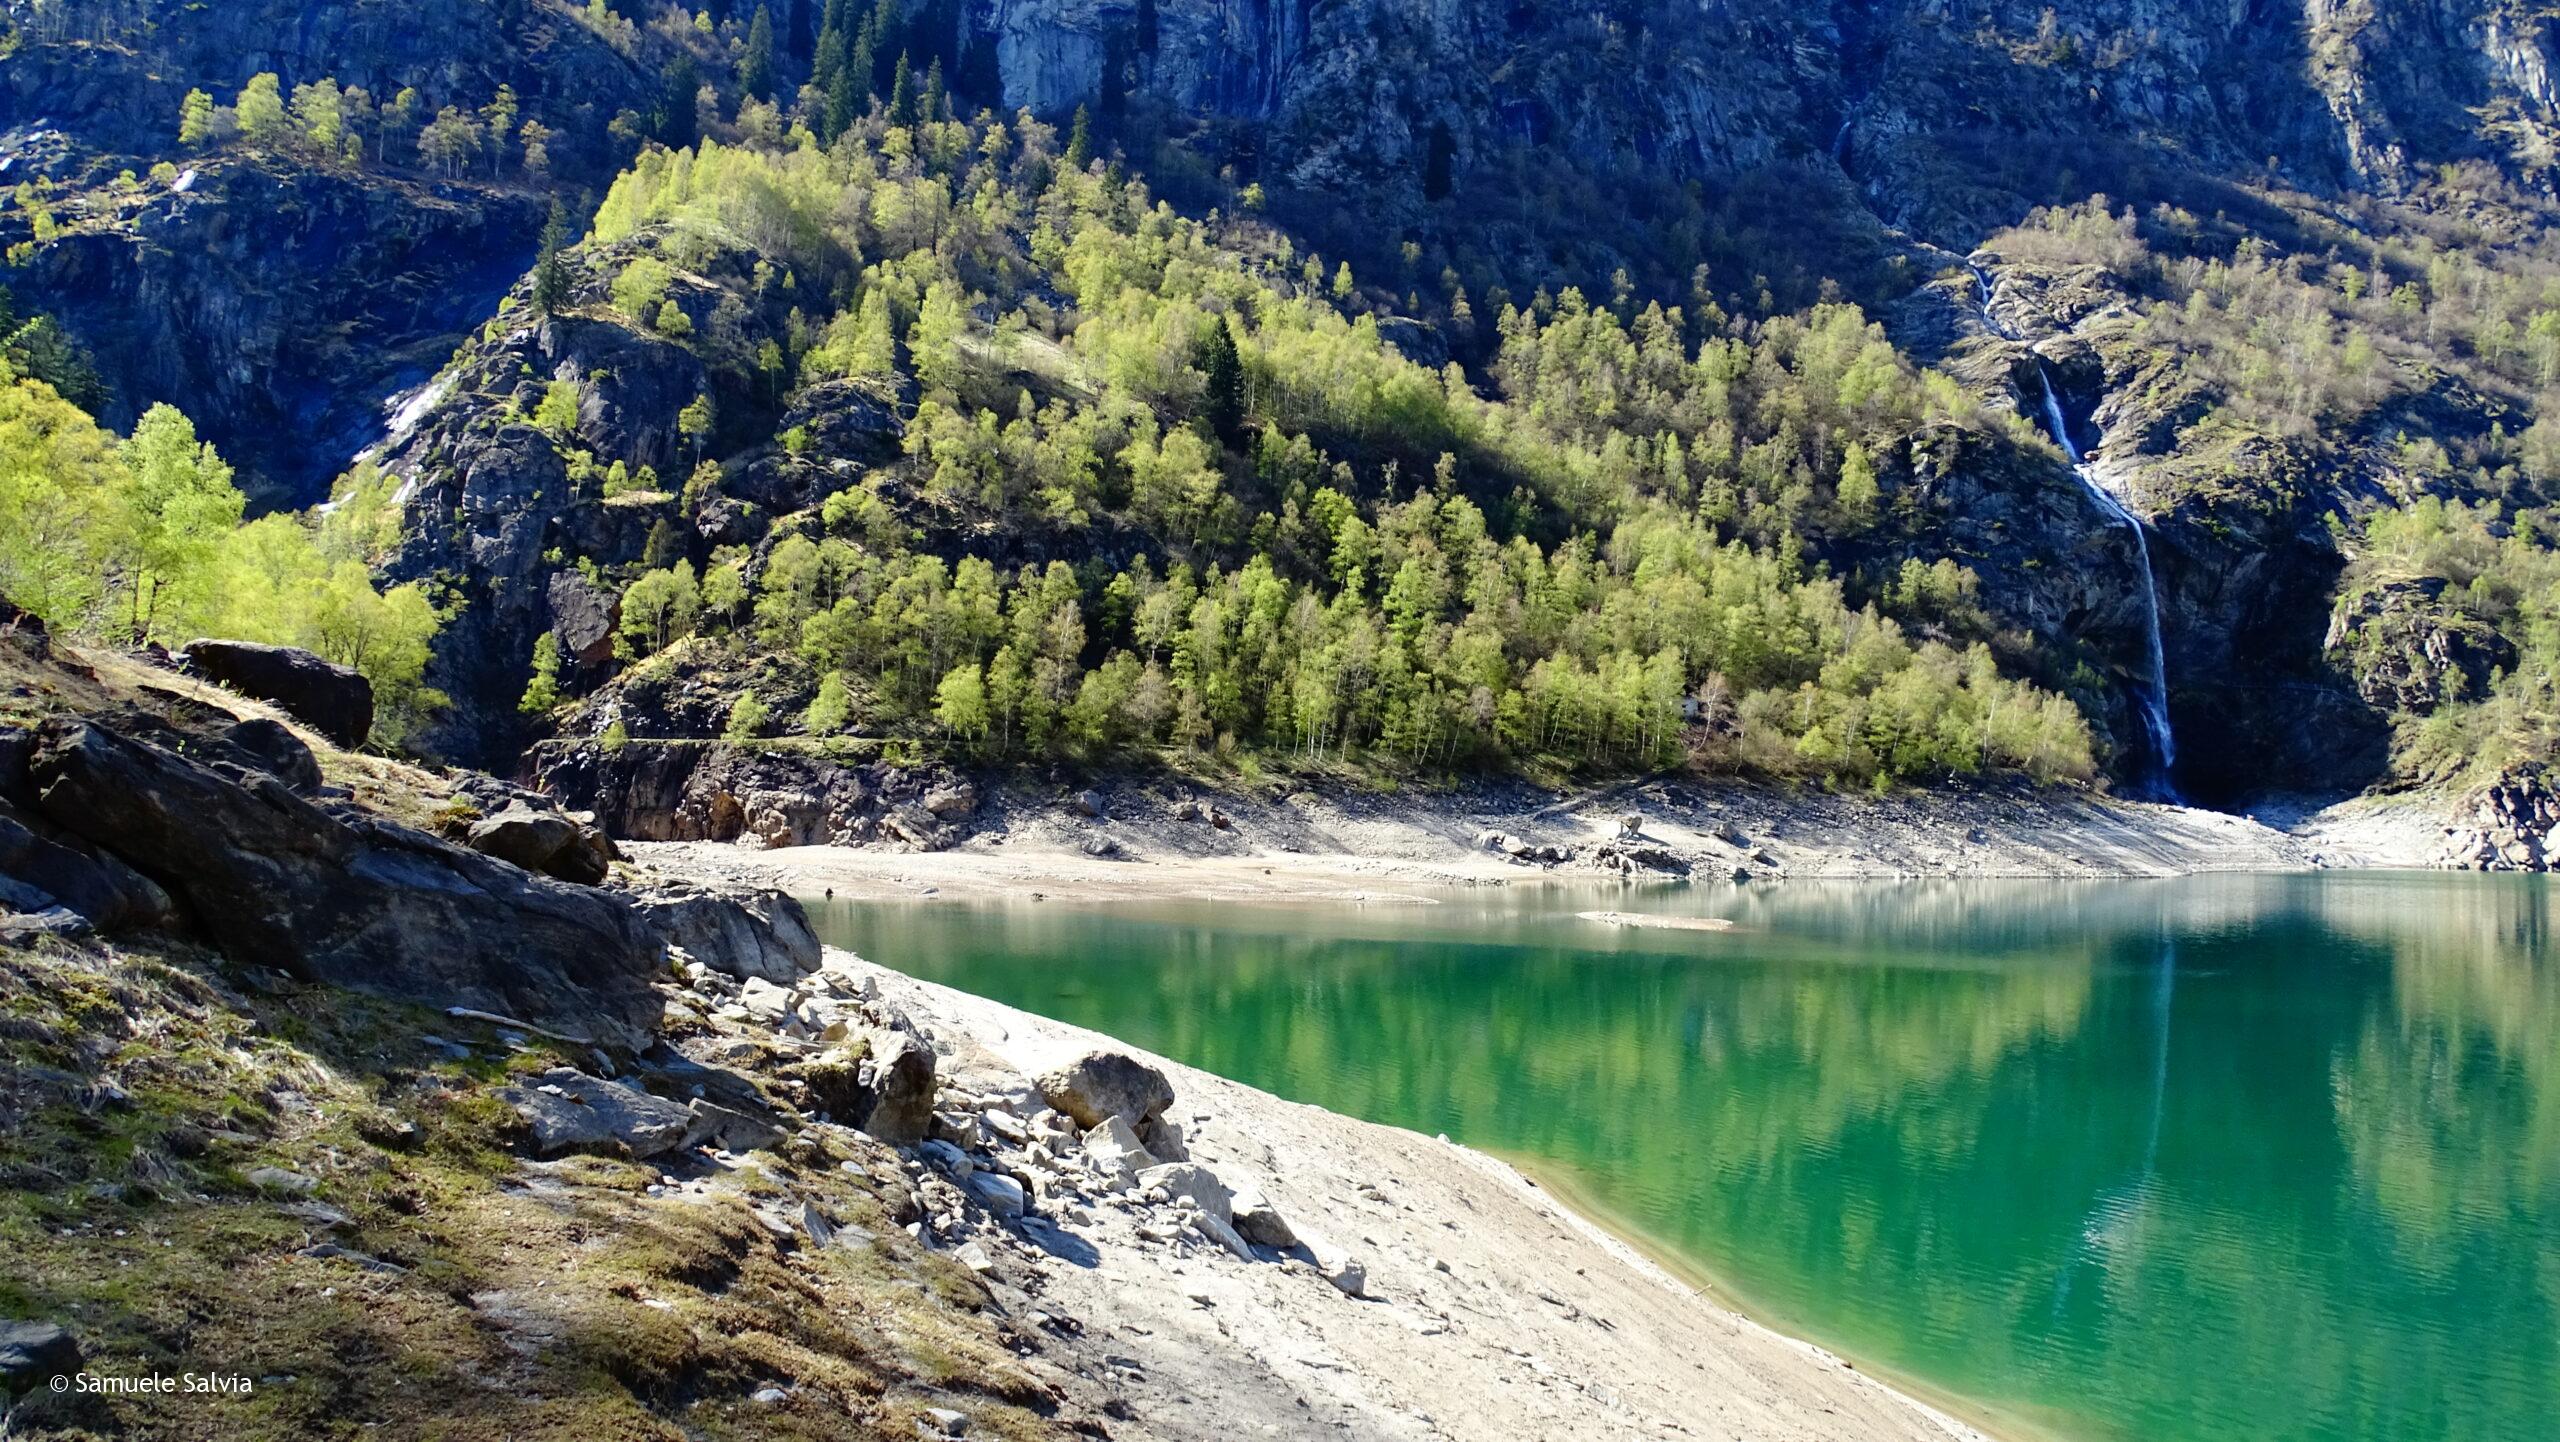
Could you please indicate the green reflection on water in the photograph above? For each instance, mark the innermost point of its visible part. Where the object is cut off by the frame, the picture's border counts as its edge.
(2221, 1157)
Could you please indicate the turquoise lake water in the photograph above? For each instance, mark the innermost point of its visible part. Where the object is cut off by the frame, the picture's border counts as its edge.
(2210, 1158)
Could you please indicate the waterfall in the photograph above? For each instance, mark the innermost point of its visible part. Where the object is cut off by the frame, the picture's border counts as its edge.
(2152, 701)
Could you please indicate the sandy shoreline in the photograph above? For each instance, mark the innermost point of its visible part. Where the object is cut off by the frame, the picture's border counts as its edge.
(1492, 1309)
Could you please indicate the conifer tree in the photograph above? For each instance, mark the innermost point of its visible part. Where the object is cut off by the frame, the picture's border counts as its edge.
(551, 273)
(195, 118)
(755, 68)
(1223, 397)
(1080, 141)
(902, 95)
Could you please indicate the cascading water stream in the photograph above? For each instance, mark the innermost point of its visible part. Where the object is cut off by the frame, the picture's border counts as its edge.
(2152, 701)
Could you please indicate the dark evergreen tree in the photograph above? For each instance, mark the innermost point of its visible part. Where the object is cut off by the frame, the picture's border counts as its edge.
(551, 272)
(936, 102)
(886, 34)
(902, 94)
(1223, 398)
(1080, 141)
(1147, 27)
(671, 118)
(834, 43)
(845, 98)
(755, 68)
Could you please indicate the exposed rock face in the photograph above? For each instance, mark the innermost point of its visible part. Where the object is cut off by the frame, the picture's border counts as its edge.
(1898, 90)
(544, 841)
(2243, 571)
(761, 935)
(348, 899)
(281, 306)
(274, 746)
(566, 1110)
(330, 699)
(649, 791)
(40, 867)
(2513, 824)
(2409, 653)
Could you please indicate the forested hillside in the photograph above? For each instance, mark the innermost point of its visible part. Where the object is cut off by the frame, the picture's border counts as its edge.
(1593, 387)
(1220, 509)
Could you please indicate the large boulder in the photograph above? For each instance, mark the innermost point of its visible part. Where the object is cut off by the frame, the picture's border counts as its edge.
(1102, 1084)
(544, 841)
(900, 1075)
(749, 934)
(566, 1110)
(37, 871)
(584, 617)
(273, 748)
(33, 1354)
(330, 699)
(348, 899)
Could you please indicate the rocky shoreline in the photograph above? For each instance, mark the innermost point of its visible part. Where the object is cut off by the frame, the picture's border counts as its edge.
(1204, 1260)
(1139, 838)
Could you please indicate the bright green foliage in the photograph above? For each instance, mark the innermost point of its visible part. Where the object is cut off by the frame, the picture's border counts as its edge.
(319, 109)
(660, 607)
(557, 413)
(832, 708)
(2490, 583)
(143, 540)
(747, 716)
(640, 291)
(195, 118)
(960, 702)
(542, 692)
(261, 110)
(1315, 544)
(449, 142)
(934, 344)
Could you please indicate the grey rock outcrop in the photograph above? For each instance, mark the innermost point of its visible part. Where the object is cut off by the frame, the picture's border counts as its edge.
(883, 1084)
(349, 899)
(328, 698)
(32, 1354)
(1103, 1084)
(41, 867)
(545, 841)
(760, 935)
(565, 1110)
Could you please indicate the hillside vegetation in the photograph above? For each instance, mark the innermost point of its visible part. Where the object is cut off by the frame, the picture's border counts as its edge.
(1263, 525)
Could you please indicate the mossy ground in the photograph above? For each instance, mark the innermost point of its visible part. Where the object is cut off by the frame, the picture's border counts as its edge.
(478, 1295)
